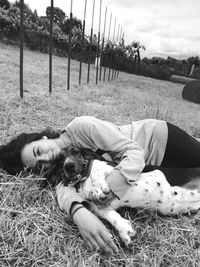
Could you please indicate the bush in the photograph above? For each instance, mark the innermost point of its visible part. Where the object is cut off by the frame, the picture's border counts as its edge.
(5, 21)
(4, 4)
(157, 72)
(191, 92)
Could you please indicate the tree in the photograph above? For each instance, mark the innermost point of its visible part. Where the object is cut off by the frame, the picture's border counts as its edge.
(5, 4)
(58, 15)
(136, 48)
(66, 27)
(193, 61)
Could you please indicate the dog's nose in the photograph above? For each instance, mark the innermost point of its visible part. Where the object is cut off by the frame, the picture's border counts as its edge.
(69, 167)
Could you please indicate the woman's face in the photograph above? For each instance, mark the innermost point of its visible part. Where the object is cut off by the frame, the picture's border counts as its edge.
(40, 154)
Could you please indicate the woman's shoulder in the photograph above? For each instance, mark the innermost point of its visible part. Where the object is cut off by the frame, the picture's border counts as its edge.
(83, 121)
(80, 123)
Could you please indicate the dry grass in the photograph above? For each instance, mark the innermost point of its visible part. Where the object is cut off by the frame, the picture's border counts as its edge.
(33, 231)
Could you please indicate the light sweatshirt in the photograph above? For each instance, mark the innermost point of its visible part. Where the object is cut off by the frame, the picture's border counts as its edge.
(131, 147)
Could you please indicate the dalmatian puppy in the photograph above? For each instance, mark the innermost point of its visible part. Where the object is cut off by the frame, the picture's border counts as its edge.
(150, 191)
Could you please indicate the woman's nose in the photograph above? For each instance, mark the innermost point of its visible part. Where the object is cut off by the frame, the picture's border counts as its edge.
(45, 157)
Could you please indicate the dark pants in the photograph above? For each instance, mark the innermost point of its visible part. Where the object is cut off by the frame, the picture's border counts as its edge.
(182, 157)
(182, 149)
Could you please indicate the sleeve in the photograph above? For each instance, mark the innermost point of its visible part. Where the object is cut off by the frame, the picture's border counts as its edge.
(96, 134)
(66, 195)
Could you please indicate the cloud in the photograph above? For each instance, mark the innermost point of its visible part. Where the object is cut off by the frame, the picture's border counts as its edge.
(152, 26)
(165, 27)
(124, 3)
(171, 47)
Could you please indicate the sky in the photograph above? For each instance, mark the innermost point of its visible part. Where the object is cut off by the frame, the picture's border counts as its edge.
(164, 27)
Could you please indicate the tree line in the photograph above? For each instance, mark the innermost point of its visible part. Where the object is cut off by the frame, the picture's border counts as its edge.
(116, 55)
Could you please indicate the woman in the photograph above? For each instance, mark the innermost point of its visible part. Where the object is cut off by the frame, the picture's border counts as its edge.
(132, 146)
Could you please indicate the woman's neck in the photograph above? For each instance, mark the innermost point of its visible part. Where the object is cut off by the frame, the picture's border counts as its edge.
(63, 141)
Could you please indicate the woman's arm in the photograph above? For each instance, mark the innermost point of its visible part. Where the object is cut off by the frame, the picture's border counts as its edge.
(93, 133)
(94, 231)
(91, 228)
(66, 195)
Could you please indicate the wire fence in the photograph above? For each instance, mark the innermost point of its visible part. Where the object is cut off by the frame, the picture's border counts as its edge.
(111, 62)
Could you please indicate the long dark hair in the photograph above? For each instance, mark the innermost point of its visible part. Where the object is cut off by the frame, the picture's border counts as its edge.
(10, 154)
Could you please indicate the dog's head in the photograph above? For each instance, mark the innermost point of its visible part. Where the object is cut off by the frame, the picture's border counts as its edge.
(74, 164)
(71, 166)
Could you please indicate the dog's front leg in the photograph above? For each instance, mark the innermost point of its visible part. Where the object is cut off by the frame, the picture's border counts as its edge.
(123, 226)
(100, 188)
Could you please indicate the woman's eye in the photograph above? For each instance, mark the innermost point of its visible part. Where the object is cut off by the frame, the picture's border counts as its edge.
(38, 152)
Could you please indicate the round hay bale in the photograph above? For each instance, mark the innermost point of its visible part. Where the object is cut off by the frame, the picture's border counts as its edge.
(181, 79)
(191, 92)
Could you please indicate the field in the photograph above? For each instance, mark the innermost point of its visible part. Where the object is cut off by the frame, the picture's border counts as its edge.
(33, 231)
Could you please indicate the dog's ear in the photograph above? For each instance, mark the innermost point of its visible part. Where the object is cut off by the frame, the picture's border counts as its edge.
(53, 175)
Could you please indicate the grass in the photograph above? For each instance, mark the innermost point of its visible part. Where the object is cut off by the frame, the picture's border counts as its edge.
(33, 231)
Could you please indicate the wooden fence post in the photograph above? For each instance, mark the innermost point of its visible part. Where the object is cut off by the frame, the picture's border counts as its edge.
(21, 46)
(103, 40)
(90, 45)
(70, 47)
(50, 48)
(106, 57)
(98, 42)
(82, 40)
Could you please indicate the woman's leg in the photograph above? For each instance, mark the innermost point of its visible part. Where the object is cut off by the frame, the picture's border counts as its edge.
(182, 150)
(174, 175)
(181, 161)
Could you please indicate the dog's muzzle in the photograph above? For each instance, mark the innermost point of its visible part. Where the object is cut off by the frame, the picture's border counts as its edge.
(71, 176)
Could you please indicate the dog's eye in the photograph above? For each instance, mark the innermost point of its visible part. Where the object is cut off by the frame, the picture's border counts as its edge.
(76, 153)
(75, 150)
(69, 167)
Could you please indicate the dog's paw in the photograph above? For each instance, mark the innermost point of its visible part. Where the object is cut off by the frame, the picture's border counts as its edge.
(127, 233)
(100, 191)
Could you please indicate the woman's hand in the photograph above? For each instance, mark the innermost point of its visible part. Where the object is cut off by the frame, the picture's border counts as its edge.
(94, 231)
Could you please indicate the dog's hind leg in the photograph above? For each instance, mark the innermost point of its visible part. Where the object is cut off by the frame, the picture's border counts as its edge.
(169, 199)
(183, 200)
(153, 191)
